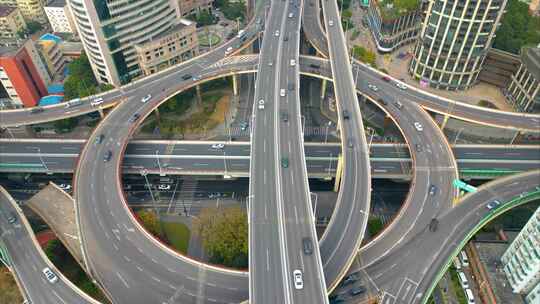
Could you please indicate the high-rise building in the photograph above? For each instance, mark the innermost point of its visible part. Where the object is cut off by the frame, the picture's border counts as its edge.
(11, 21)
(392, 25)
(22, 73)
(454, 40)
(190, 7)
(534, 296)
(60, 17)
(522, 258)
(110, 30)
(524, 90)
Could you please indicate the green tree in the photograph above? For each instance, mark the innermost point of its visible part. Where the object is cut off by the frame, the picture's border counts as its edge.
(224, 234)
(364, 55)
(232, 11)
(375, 225)
(65, 125)
(518, 28)
(150, 221)
(55, 251)
(31, 28)
(81, 81)
(204, 17)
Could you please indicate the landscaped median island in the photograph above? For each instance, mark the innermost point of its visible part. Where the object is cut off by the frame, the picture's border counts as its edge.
(174, 234)
(185, 116)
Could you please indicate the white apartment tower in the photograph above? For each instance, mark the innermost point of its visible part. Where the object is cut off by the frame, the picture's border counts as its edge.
(109, 30)
(454, 40)
(522, 259)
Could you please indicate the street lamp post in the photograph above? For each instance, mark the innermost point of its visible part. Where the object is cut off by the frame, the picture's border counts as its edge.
(144, 173)
(303, 118)
(225, 165)
(41, 159)
(315, 207)
(326, 132)
(159, 164)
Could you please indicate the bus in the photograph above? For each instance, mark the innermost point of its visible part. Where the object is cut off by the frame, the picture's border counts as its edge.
(464, 258)
(463, 280)
(470, 296)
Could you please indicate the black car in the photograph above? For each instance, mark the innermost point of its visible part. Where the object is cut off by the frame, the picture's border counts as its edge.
(433, 225)
(357, 290)
(307, 244)
(285, 116)
(107, 156)
(286, 38)
(350, 143)
(12, 218)
(186, 77)
(432, 190)
(314, 66)
(134, 117)
(346, 114)
(384, 102)
(350, 279)
(36, 110)
(418, 148)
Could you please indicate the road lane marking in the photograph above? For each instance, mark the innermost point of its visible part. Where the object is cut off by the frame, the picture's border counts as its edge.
(122, 279)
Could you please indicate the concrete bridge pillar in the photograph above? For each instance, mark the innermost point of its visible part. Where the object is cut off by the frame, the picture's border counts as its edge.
(101, 114)
(235, 84)
(323, 88)
(445, 120)
(516, 137)
(339, 172)
(199, 96)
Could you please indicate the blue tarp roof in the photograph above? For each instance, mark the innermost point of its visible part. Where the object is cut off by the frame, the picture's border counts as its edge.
(56, 89)
(51, 37)
(50, 100)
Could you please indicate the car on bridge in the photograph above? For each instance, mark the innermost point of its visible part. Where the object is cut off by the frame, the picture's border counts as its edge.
(493, 204)
(298, 281)
(147, 97)
(331, 22)
(373, 87)
(134, 118)
(51, 277)
(164, 187)
(432, 190)
(99, 139)
(261, 104)
(107, 156)
(285, 162)
(307, 245)
(418, 126)
(346, 114)
(401, 86)
(218, 146)
(282, 93)
(276, 33)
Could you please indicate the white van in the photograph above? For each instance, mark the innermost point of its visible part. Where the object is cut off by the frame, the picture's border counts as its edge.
(96, 102)
(464, 258)
(470, 296)
(463, 280)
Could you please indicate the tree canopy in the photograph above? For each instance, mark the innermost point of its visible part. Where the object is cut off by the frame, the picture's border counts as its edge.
(224, 234)
(518, 28)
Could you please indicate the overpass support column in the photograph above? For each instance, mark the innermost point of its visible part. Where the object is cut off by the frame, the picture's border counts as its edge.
(339, 172)
(199, 97)
(516, 137)
(235, 84)
(445, 120)
(323, 88)
(100, 111)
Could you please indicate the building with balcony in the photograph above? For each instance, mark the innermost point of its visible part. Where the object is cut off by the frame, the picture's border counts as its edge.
(60, 17)
(454, 40)
(23, 75)
(190, 7)
(523, 93)
(110, 30)
(393, 26)
(170, 48)
(522, 258)
(11, 22)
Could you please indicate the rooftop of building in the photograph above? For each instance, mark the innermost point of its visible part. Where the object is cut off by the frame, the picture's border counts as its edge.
(531, 59)
(56, 3)
(178, 27)
(50, 37)
(10, 46)
(6, 10)
(392, 9)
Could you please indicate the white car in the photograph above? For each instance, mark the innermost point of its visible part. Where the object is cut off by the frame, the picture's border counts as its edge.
(261, 104)
(51, 277)
(331, 22)
(373, 87)
(282, 92)
(270, 63)
(65, 187)
(418, 126)
(291, 15)
(401, 86)
(164, 187)
(218, 146)
(228, 50)
(298, 281)
(293, 62)
(276, 33)
(96, 102)
(146, 98)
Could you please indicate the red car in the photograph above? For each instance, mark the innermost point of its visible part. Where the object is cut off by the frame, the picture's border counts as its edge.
(386, 78)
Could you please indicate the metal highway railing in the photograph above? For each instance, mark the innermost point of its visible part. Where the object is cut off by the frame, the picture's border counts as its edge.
(519, 200)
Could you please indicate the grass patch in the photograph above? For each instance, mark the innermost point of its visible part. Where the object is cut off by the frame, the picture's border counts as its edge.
(9, 291)
(375, 225)
(460, 293)
(178, 235)
(204, 41)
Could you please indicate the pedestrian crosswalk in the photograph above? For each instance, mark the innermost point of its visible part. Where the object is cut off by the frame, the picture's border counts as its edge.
(234, 60)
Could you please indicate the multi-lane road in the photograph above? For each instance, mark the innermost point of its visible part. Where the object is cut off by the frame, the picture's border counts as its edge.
(28, 260)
